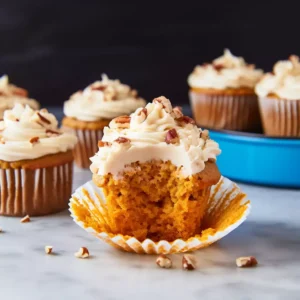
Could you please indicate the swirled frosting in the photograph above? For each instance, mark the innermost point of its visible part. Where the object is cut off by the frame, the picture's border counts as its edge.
(11, 94)
(105, 99)
(29, 134)
(156, 132)
(227, 71)
(284, 81)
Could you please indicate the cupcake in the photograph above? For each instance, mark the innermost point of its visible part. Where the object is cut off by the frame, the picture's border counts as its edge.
(155, 169)
(279, 99)
(222, 94)
(11, 94)
(36, 163)
(89, 111)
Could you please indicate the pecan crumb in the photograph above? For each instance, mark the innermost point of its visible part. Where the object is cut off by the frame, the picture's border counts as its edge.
(48, 249)
(122, 140)
(218, 67)
(143, 111)
(26, 219)
(186, 120)
(103, 144)
(247, 261)
(83, 252)
(164, 261)
(43, 119)
(98, 88)
(34, 140)
(188, 262)
(52, 132)
(165, 102)
(172, 137)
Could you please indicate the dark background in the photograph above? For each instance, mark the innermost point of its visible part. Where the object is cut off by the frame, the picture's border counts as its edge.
(54, 48)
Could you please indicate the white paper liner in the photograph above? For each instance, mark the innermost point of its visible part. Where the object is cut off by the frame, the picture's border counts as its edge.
(228, 208)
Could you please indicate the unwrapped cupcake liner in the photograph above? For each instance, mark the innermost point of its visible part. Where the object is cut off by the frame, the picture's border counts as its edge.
(221, 111)
(228, 207)
(87, 146)
(35, 192)
(280, 117)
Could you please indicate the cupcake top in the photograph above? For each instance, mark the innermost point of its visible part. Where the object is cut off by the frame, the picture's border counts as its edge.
(105, 99)
(283, 82)
(29, 134)
(11, 94)
(156, 132)
(227, 71)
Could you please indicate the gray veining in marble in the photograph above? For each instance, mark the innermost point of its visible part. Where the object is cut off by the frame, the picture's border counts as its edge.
(272, 234)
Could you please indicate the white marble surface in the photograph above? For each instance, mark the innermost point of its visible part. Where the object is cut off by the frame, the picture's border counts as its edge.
(272, 234)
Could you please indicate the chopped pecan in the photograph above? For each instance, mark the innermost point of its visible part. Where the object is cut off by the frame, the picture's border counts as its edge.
(218, 67)
(122, 140)
(34, 140)
(20, 92)
(172, 137)
(103, 144)
(204, 134)
(247, 261)
(164, 102)
(98, 88)
(43, 119)
(177, 112)
(52, 132)
(120, 122)
(186, 120)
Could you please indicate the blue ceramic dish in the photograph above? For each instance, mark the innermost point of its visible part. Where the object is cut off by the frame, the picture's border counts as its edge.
(257, 159)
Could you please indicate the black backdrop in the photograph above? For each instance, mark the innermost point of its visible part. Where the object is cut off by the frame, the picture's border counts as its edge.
(56, 47)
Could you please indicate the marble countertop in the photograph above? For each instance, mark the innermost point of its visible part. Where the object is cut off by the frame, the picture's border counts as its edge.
(271, 233)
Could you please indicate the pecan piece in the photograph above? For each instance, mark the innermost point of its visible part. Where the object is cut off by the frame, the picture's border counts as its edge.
(188, 262)
(186, 120)
(120, 122)
(34, 140)
(164, 102)
(43, 119)
(177, 112)
(164, 261)
(122, 140)
(103, 144)
(247, 261)
(172, 137)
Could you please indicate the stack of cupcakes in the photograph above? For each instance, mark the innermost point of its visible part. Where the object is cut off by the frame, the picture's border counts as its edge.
(89, 111)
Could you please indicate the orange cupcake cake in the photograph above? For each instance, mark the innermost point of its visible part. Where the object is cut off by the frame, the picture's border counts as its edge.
(156, 169)
(279, 99)
(11, 94)
(36, 163)
(87, 112)
(222, 94)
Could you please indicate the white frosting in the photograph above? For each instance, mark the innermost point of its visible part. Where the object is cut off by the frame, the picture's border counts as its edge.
(283, 82)
(21, 124)
(105, 99)
(10, 95)
(227, 71)
(147, 135)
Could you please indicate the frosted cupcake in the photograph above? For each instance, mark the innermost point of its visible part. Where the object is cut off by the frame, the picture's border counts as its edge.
(222, 94)
(279, 99)
(89, 111)
(156, 169)
(11, 94)
(36, 163)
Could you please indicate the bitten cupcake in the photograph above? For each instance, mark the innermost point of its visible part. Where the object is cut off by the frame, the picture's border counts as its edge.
(156, 169)
(89, 111)
(11, 94)
(279, 99)
(222, 94)
(36, 163)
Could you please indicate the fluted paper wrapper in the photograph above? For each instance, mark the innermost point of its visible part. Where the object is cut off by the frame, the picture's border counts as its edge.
(221, 111)
(35, 192)
(280, 117)
(228, 208)
(87, 146)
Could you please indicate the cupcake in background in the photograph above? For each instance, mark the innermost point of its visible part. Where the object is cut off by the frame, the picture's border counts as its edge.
(11, 94)
(36, 163)
(87, 112)
(222, 94)
(279, 99)
(155, 168)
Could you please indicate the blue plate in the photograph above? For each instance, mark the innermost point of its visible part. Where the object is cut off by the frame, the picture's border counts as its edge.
(257, 159)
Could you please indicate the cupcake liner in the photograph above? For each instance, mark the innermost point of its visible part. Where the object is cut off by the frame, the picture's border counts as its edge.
(221, 111)
(87, 146)
(280, 117)
(35, 192)
(228, 207)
